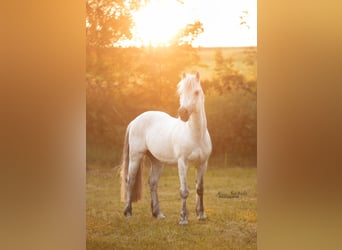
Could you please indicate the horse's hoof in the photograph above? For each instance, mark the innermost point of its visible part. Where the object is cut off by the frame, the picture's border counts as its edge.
(183, 222)
(161, 216)
(201, 217)
(127, 214)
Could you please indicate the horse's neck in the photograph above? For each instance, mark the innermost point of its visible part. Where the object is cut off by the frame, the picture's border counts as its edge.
(198, 123)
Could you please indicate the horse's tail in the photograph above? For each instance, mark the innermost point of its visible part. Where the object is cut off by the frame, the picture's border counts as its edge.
(137, 188)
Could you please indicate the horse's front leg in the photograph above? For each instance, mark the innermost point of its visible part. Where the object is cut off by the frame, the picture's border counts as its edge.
(200, 190)
(184, 191)
(156, 170)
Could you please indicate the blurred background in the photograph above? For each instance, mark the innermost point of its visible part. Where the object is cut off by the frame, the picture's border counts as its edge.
(135, 54)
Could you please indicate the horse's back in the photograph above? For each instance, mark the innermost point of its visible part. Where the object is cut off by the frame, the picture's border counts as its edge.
(149, 119)
(155, 122)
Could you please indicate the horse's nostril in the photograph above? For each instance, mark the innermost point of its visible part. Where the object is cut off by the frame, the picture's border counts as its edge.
(183, 113)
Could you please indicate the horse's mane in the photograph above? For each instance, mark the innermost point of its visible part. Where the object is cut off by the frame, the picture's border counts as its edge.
(189, 81)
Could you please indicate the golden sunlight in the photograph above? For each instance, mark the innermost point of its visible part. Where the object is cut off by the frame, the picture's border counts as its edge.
(226, 23)
(158, 22)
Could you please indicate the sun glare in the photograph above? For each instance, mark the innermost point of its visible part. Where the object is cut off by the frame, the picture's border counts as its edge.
(157, 23)
(225, 23)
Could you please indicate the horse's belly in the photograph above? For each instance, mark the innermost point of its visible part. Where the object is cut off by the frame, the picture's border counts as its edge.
(163, 153)
(159, 143)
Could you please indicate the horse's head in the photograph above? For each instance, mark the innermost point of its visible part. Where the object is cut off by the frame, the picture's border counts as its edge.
(191, 96)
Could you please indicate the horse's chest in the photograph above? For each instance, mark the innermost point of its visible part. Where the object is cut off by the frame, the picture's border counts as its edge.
(199, 151)
(197, 155)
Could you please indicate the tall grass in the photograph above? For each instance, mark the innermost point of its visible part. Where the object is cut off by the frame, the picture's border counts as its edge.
(102, 156)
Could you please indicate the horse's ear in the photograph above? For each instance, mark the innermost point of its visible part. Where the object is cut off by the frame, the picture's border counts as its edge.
(183, 75)
(197, 76)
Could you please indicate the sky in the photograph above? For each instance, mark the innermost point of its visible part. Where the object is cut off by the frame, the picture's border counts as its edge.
(159, 20)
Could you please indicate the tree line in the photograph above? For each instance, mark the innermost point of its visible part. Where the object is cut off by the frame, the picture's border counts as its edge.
(124, 82)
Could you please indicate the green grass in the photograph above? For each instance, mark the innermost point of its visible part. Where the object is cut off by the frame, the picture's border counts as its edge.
(231, 222)
(102, 156)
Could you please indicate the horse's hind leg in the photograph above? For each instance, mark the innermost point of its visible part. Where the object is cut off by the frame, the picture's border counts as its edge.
(133, 167)
(156, 170)
(200, 190)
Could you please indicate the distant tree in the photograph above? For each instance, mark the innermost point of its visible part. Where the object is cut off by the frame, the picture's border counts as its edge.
(250, 59)
(226, 75)
(232, 125)
(231, 111)
(189, 33)
(107, 21)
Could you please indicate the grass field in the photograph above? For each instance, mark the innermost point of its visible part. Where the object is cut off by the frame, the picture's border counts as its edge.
(231, 221)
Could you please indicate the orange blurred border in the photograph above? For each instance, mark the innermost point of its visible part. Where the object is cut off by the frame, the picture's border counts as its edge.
(43, 125)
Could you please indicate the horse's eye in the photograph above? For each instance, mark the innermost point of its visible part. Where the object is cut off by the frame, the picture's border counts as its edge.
(196, 92)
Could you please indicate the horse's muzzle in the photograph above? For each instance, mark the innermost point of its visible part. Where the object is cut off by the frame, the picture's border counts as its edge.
(183, 114)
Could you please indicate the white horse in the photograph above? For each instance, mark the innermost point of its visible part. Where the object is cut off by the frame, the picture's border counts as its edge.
(165, 139)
